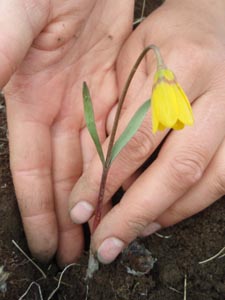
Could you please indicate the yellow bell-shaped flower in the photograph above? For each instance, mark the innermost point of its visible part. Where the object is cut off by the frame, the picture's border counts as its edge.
(170, 106)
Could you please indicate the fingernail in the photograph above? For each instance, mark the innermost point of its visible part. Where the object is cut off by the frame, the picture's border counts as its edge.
(109, 250)
(151, 228)
(81, 212)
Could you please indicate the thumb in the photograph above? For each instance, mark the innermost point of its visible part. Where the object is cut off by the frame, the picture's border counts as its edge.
(20, 23)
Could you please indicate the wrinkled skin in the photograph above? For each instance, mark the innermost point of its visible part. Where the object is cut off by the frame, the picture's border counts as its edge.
(47, 49)
(188, 174)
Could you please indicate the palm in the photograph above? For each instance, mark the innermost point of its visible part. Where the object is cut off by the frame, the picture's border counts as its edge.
(49, 141)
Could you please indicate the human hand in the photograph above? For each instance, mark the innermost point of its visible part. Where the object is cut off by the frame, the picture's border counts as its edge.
(48, 48)
(188, 174)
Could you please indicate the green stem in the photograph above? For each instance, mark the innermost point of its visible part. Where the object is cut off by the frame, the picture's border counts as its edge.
(98, 210)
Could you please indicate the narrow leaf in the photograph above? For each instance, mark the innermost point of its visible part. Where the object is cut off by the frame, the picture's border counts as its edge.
(90, 121)
(130, 130)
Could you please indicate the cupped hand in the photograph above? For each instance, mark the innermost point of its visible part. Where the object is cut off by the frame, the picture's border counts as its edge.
(47, 50)
(188, 174)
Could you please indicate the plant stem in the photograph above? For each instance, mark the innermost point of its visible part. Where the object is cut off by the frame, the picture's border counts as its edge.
(98, 210)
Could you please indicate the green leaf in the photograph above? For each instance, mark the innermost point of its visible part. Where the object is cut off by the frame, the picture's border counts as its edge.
(90, 121)
(130, 130)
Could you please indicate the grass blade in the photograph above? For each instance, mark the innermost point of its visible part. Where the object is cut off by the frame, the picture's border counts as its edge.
(130, 130)
(90, 121)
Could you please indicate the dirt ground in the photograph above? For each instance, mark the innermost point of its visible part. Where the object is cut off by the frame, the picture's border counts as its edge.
(178, 256)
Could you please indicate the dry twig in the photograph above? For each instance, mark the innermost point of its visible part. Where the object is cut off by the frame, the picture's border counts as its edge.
(174, 290)
(30, 260)
(185, 287)
(143, 9)
(163, 236)
(139, 20)
(218, 254)
(60, 280)
(28, 289)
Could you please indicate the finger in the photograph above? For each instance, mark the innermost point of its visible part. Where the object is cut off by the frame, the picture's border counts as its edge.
(131, 180)
(135, 175)
(178, 167)
(67, 167)
(20, 23)
(209, 189)
(30, 160)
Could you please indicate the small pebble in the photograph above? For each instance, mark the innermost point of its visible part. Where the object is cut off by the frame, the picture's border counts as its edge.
(137, 259)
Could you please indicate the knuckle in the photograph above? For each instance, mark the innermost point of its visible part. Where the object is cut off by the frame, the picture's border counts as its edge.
(135, 221)
(192, 50)
(136, 225)
(33, 203)
(186, 168)
(141, 144)
(65, 183)
(177, 214)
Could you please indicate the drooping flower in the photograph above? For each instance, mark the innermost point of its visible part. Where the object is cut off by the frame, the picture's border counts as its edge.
(170, 105)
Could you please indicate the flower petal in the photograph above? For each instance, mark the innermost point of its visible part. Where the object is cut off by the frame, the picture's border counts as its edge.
(185, 111)
(178, 125)
(155, 121)
(161, 127)
(168, 105)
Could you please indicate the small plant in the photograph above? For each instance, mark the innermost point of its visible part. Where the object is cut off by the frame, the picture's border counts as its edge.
(170, 109)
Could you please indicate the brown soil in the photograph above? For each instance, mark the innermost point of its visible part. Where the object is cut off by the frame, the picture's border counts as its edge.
(191, 241)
